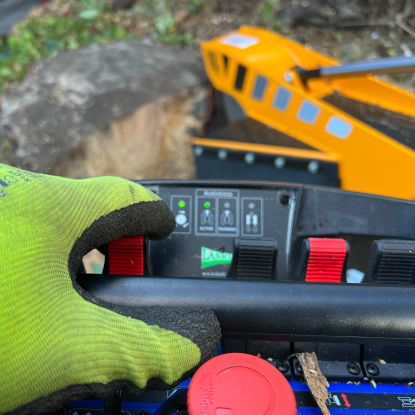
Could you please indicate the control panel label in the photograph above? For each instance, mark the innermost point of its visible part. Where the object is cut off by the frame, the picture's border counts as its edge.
(206, 215)
(227, 216)
(216, 212)
(252, 216)
(181, 207)
(211, 257)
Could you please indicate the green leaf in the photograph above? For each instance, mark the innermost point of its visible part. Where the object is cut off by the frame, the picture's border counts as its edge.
(6, 72)
(268, 9)
(277, 24)
(6, 144)
(172, 38)
(73, 43)
(164, 23)
(89, 14)
(50, 46)
(267, 12)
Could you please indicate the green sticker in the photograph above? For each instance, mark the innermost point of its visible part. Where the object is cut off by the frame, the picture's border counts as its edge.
(211, 257)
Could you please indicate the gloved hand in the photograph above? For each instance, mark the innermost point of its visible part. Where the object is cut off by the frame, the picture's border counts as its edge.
(56, 342)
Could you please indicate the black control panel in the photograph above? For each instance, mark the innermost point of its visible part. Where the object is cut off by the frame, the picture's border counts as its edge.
(211, 217)
(244, 251)
(362, 333)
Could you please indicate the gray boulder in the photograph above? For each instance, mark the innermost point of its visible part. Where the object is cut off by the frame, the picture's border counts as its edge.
(50, 115)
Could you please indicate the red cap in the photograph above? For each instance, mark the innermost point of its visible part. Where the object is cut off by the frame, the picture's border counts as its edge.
(239, 384)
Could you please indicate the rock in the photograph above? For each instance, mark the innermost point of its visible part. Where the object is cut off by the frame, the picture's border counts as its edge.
(154, 142)
(321, 13)
(71, 104)
(11, 11)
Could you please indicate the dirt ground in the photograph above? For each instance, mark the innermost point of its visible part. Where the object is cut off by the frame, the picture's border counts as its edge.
(346, 30)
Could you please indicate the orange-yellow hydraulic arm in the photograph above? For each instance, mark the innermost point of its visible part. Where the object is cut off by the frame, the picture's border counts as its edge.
(264, 72)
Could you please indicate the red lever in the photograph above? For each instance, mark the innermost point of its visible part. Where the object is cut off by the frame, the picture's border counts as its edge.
(126, 255)
(326, 260)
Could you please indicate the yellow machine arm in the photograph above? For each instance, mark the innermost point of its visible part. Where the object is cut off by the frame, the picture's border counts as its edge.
(260, 70)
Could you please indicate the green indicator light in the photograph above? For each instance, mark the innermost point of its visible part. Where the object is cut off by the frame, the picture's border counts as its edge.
(182, 204)
(207, 205)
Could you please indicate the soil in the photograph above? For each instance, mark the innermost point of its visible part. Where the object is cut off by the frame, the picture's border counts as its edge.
(348, 31)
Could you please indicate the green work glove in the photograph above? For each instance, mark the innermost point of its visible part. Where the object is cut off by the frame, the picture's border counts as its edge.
(57, 344)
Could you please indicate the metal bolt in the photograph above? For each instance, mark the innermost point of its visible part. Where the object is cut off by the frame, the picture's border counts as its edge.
(285, 200)
(279, 162)
(198, 151)
(222, 154)
(288, 77)
(313, 167)
(353, 368)
(298, 368)
(282, 366)
(249, 158)
(372, 369)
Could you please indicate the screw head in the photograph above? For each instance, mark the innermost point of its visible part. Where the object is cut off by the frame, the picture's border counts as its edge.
(372, 369)
(353, 368)
(279, 162)
(285, 200)
(222, 154)
(288, 77)
(249, 158)
(198, 151)
(282, 366)
(298, 368)
(313, 167)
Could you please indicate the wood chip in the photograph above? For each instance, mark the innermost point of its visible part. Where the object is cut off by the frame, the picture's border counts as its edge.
(316, 381)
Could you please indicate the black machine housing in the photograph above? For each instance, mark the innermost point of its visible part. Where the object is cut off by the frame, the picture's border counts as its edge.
(225, 234)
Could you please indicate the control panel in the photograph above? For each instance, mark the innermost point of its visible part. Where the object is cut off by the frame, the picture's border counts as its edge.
(210, 219)
(219, 223)
(287, 269)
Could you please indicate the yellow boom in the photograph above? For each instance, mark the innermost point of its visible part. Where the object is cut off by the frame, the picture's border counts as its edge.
(259, 69)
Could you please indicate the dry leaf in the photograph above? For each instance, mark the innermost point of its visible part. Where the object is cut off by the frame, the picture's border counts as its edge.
(316, 381)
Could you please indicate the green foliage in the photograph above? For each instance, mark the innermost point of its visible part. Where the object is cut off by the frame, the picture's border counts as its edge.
(194, 6)
(176, 38)
(34, 39)
(268, 14)
(86, 22)
(5, 147)
(268, 9)
(162, 15)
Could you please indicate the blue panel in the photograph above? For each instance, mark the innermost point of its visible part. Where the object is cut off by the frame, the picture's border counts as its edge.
(152, 408)
(356, 388)
(282, 98)
(315, 411)
(339, 128)
(308, 112)
(259, 88)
